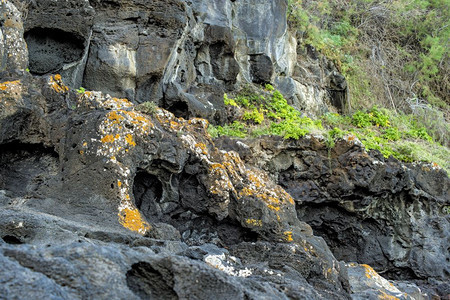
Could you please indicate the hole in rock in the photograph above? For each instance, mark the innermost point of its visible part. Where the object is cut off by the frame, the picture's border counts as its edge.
(338, 99)
(24, 167)
(49, 49)
(148, 283)
(180, 109)
(147, 191)
(10, 239)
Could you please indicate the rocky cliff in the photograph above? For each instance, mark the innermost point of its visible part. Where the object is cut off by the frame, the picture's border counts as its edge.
(101, 198)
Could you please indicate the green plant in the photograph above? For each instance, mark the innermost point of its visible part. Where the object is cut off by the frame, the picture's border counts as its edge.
(81, 90)
(235, 129)
(254, 115)
(147, 107)
(229, 101)
(269, 88)
(361, 119)
(392, 134)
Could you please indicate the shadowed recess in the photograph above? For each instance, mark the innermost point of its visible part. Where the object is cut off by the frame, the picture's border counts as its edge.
(24, 167)
(50, 49)
(147, 191)
(148, 283)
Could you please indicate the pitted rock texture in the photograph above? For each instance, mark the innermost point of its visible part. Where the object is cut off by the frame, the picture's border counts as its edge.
(99, 199)
(178, 53)
(13, 50)
(371, 210)
(88, 167)
(161, 211)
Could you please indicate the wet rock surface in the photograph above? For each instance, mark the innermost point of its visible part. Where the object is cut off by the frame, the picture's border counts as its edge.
(99, 200)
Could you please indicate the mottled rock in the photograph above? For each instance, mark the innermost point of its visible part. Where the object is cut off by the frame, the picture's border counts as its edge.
(175, 53)
(369, 209)
(13, 50)
(88, 167)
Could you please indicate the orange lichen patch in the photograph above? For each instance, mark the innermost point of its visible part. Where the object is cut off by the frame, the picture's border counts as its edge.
(288, 236)
(140, 120)
(385, 296)
(175, 125)
(132, 220)
(57, 84)
(109, 138)
(130, 140)
(7, 85)
(119, 183)
(253, 222)
(370, 272)
(274, 208)
(202, 147)
(115, 117)
(117, 103)
(351, 138)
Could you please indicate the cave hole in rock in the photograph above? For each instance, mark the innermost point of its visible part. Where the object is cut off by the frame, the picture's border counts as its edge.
(180, 109)
(149, 283)
(338, 99)
(25, 167)
(147, 191)
(49, 49)
(11, 239)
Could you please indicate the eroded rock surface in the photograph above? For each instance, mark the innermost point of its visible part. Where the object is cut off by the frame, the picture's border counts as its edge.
(183, 55)
(103, 199)
(369, 209)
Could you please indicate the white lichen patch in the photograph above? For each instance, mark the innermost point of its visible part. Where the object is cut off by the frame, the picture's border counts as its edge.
(221, 263)
(97, 99)
(118, 131)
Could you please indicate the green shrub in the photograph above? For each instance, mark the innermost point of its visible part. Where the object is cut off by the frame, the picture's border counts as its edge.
(229, 101)
(254, 115)
(361, 119)
(147, 107)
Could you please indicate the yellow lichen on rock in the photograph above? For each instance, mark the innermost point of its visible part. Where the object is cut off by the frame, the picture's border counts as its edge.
(130, 140)
(370, 272)
(118, 132)
(9, 85)
(253, 222)
(288, 236)
(57, 84)
(132, 220)
(385, 296)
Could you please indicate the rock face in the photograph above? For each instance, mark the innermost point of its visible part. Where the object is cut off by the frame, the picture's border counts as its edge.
(100, 198)
(180, 54)
(371, 210)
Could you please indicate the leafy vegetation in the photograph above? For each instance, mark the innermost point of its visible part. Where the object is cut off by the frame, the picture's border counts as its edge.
(393, 53)
(266, 112)
(81, 90)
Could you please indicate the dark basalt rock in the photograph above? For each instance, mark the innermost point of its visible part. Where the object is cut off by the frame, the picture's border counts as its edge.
(368, 209)
(101, 200)
(175, 53)
(51, 49)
